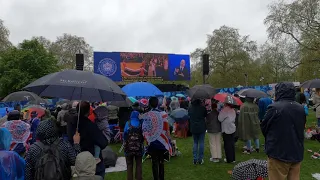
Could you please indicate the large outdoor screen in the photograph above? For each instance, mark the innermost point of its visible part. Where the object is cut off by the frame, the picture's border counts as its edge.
(128, 66)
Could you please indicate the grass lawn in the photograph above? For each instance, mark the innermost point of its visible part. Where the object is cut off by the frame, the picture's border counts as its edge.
(181, 168)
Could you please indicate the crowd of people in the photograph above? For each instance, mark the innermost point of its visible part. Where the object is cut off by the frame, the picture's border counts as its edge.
(68, 143)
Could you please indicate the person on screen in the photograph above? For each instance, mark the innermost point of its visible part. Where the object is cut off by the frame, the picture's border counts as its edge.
(165, 70)
(181, 72)
(152, 68)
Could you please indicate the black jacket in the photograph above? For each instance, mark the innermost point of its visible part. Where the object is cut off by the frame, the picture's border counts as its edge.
(212, 122)
(197, 114)
(90, 135)
(283, 126)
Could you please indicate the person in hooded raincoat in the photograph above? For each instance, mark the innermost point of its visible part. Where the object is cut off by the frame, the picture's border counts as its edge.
(47, 133)
(85, 167)
(249, 124)
(20, 132)
(283, 129)
(130, 159)
(11, 164)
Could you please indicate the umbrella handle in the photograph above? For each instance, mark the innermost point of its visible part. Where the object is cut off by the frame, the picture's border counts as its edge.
(78, 116)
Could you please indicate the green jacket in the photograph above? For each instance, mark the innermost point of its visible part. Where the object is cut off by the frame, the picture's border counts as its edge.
(248, 124)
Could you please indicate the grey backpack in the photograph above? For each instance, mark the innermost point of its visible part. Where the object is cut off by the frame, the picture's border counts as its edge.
(51, 165)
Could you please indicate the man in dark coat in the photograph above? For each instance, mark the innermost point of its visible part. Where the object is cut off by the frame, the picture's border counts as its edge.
(197, 114)
(283, 129)
(181, 72)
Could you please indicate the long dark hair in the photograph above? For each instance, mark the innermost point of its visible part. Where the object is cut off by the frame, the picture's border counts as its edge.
(302, 98)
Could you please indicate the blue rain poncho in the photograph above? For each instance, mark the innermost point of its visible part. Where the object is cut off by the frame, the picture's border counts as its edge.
(11, 164)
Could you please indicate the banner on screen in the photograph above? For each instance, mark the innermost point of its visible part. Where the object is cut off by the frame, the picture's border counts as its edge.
(128, 66)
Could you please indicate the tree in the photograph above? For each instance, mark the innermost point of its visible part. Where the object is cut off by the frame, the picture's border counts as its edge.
(278, 61)
(67, 46)
(309, 67)
(4, 37)
(45, 42)
(21, 65)
(298, 20)
(230, 57)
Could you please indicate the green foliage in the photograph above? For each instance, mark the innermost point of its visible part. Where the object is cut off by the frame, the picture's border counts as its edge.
(292, 54)
(65, 49)
(21, 65)
(230, 58)
(298, 20)
(4, 37)
(67, 46)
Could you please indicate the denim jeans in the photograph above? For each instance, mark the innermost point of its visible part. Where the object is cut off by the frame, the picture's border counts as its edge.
(97, 150)
(198, 146)
(256, 141)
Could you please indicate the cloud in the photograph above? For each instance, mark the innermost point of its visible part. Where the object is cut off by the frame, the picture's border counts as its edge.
(169, 26)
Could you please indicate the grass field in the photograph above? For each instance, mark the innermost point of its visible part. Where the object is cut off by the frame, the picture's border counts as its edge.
(181, 168)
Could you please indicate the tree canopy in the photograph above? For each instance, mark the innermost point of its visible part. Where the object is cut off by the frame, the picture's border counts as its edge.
(65, 49)
(292, 52)
(4, 37)
(23, 64)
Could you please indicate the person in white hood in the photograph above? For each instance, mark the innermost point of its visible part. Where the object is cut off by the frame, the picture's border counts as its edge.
(85, 167)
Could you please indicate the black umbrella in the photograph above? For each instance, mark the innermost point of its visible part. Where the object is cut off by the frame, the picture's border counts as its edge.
(77, 85)
(126, 103)
(315, 83)
(201, 92)
(251, 169)
(24, 96)
(252, 93)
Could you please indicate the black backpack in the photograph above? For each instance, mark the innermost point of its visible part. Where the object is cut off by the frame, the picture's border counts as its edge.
(133, 146)
(51, 165)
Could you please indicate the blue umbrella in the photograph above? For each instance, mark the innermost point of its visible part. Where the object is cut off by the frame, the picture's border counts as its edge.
(179, 114)
(77, 85)
(180, 95)
(141, 89)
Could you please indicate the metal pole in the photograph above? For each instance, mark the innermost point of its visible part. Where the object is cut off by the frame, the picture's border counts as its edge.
(246, 79)
(204, 79)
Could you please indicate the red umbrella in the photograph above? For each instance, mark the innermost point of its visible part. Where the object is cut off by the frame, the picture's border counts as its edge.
(228, 98)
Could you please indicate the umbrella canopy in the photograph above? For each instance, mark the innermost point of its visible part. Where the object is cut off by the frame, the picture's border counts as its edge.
(180, 95)
(132, 99)
(20, 130)
(141, 89)
(144, 103)
(251, 169)
(27, 111)
(179, 114)
(126, 103)
(24, 96)
(77, 85)
(228, 98)
(201, 92)
(252, 93)
(315, 83)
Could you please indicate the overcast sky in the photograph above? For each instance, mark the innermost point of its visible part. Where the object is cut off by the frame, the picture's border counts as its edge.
(163, 26)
